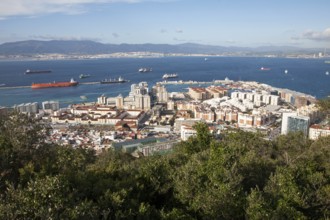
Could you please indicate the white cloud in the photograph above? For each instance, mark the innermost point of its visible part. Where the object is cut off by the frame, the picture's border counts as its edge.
(10, 8)
(317, 35)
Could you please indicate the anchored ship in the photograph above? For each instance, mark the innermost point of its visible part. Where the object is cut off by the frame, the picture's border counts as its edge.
(172, 75)
(72, 82)
(264, 68)
(119, 80)
(28, 71)
(145, 70)
(82, 76)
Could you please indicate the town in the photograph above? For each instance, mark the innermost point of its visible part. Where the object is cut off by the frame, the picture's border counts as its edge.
(152, 121)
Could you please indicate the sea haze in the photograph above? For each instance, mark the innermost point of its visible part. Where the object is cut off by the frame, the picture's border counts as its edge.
(304, 75)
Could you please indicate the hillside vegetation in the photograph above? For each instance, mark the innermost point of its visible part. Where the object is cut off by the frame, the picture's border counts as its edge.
(242, 176)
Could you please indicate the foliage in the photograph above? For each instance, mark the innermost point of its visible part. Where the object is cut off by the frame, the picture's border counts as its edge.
(241, 176)
(324, 104)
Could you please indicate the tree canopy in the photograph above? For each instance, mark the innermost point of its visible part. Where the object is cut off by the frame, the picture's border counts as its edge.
(240, 176)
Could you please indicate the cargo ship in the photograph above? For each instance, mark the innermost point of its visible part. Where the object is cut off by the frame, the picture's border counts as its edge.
(172, 75)
(72, 82)
(119, 80)
(28, 71)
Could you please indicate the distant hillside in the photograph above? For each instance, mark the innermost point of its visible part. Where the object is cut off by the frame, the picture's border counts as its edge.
(90, 47)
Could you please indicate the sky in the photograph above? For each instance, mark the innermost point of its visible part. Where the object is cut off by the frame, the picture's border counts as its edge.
(242, 23)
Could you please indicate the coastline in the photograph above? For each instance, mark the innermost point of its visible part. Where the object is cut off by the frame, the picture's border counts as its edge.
(307, 76)
(237, 85)
(142, 55)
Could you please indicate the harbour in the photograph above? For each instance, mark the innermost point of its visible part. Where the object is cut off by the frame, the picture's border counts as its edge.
(304, 75)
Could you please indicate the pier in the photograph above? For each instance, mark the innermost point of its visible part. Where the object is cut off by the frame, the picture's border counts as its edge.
(14, 87)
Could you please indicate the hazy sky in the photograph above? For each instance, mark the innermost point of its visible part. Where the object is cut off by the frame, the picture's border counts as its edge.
(252, 23)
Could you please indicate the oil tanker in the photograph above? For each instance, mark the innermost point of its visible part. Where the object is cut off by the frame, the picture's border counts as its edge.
(72, 82)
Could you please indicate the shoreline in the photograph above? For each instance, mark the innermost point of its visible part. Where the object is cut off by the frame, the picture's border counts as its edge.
(224, 82)
(139, 55)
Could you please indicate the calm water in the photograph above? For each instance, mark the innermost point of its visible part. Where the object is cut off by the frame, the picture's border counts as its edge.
(304, 75)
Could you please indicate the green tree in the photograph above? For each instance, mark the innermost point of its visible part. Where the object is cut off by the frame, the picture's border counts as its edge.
(197, 143)
(324, 104)
(22, 140)
(203, 135)
(45, 198)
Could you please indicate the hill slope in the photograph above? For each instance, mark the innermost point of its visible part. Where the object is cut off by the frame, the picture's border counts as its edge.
(91, 47)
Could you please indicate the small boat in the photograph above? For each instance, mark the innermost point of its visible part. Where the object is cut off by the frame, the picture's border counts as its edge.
(109, 81)
(82, 76)
(264, 69)
(145, 70)
(327, 73)
(28, 71)
(286, 71)
(327, 61)
(172, 75)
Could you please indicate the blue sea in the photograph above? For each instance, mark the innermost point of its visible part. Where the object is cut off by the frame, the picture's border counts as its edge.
(304, 75)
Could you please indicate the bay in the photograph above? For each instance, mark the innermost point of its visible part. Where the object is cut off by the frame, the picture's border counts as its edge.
(304, 75)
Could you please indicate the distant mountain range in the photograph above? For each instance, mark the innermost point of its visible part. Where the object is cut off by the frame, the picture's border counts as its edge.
(90, 47)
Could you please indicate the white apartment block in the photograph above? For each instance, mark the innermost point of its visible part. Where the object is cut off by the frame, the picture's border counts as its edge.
(311, 111)
(160, 93)
(291, 122)
(205, 114)
(50, 105)
(236, 103)
(170, 105)
(183, 105)
(138, 98)
(252, 120)
(226, 114)
(97, 115)
(186, 132)
(27, 107)
(102, 100)
(256, 98)
(316, 131)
